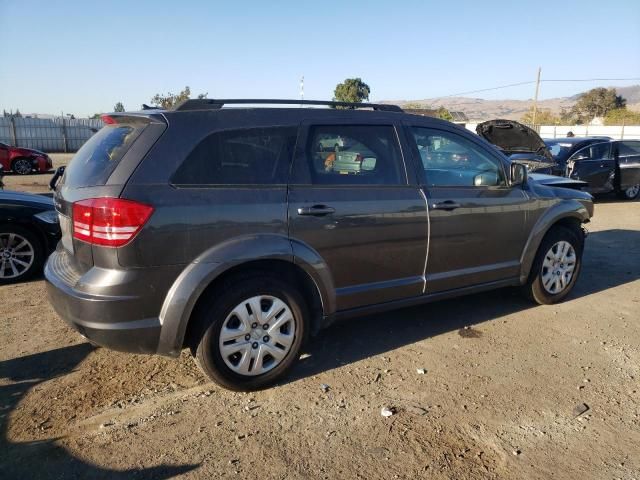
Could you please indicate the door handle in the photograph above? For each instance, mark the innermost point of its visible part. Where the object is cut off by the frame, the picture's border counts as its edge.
(446, 205)
(316, 210)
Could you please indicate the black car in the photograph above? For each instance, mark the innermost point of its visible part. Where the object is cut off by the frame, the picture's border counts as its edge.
(29, 231)
(563, 148)
(608, 166)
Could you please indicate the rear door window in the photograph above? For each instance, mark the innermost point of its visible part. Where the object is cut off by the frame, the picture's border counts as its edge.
(97, 159)
(257, 156)
(355, 155)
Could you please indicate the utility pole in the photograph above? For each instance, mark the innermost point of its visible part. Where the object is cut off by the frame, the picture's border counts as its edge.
(535, 99)
(302, 88)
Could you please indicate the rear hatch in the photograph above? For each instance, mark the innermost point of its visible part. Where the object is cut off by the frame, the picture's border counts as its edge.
(100, 170)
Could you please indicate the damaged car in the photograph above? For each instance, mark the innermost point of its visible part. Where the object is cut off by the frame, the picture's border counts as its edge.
(608, 167)
(520, 143)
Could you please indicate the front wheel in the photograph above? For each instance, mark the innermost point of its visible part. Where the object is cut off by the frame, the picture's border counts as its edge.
(630, 193)
(22, 166)
(252, 330)
(556, 266)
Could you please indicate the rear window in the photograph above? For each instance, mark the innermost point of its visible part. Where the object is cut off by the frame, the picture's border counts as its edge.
(257, 156)
(99, 156)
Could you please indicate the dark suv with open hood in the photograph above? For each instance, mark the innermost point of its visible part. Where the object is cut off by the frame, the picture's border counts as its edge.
(237, 232)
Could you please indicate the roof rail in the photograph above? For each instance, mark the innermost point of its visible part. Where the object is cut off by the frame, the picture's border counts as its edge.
(215, 104)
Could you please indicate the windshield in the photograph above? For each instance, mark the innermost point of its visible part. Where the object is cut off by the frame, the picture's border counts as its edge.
(559, 150)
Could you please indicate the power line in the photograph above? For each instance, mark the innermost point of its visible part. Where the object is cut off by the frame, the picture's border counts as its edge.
(542, 80)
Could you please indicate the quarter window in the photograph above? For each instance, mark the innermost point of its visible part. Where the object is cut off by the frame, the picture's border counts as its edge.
(258, 156)
(450, 160)
(355, 155)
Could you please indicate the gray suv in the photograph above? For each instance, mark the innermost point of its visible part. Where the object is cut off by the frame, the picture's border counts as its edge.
(237, 233)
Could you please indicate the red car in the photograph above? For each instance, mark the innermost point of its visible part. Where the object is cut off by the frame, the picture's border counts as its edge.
(24, 161)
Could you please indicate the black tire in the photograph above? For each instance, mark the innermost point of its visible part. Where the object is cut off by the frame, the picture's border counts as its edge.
(21, 166)
(534, 288)
(630, 193)
(38, 254)
(211, 315)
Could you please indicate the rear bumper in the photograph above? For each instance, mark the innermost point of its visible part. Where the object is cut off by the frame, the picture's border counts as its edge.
(116, 321)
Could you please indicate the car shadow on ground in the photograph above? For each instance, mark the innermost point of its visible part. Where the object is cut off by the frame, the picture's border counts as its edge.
(40, 459)
(349, 341)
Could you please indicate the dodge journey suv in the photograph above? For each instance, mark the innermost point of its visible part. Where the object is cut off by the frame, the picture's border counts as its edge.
(238, 231)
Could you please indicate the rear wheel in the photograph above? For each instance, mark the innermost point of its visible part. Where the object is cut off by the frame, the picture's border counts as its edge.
(630, 193)
(21, 254)
(556, 266)
(251, 332)
(21, 166)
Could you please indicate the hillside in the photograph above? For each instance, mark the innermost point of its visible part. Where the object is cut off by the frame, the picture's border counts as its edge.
(481, 109)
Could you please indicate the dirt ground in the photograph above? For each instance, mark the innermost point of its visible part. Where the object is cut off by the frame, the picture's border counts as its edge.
(503, 392)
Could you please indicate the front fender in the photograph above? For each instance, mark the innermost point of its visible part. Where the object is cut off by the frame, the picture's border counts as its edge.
(194, 279)
(569, 208)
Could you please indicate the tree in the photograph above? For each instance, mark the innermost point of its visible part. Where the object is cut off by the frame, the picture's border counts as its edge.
(597, 102)
(118, 107)
(17, 114)
(444, 114)
(351, 90)
(622, 116)
(544, 116)
(170, 100)
(95, 116)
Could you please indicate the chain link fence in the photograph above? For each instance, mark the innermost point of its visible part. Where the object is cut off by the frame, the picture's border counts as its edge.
(48, 134)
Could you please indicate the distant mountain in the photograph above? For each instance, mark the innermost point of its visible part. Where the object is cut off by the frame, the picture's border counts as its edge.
(478, 109)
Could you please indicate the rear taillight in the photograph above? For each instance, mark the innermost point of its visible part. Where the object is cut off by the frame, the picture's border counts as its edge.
(111, 222)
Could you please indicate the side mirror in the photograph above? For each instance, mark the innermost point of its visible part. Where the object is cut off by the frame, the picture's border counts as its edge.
(518, 174)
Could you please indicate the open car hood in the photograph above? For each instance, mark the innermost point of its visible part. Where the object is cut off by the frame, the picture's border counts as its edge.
(554, 181)
(513, 137)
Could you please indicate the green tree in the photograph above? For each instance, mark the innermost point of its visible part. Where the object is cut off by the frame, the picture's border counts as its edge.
(351, 90)
(544, 116)
(118, 107)
(444, 114)
(622, 116)
(95, 116)
(170, 100)
(597, 102)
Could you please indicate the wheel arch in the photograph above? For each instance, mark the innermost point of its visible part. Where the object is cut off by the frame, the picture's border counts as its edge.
(570, 214)
(258, 253)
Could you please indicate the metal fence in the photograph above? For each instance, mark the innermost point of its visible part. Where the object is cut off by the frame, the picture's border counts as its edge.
(49, 135)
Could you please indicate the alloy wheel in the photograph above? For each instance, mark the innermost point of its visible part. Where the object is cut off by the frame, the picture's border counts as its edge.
(632, 192)
(257, 335)
(16, 255)
(558, 267)
(22, 166)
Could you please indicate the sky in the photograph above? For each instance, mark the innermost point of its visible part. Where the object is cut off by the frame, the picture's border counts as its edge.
(82, 57)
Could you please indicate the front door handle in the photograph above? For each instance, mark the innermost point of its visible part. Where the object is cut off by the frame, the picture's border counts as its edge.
(446, 205)
(316, 210)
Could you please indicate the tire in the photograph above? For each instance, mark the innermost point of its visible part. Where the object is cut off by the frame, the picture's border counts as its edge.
(630, 193)
(248, 363)
(547, 286)
(21, 166)
(17, 247)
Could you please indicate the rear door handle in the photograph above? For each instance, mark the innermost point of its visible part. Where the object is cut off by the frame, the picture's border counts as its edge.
(446, 205)
(316, 210)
